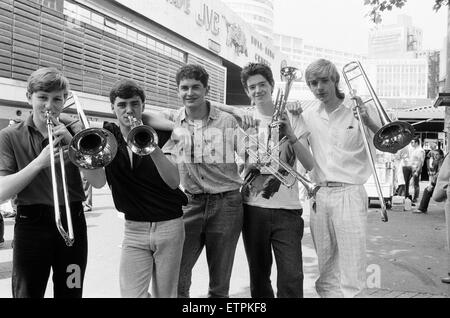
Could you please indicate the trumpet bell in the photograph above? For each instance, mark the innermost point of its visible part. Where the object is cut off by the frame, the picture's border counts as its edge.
(142, 140)
(393, 136)
(93, 148)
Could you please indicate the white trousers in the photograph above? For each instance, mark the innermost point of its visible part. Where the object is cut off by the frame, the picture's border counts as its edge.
(338, 222)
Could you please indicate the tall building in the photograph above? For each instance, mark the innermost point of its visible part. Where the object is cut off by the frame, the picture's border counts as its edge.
(302, 54)
(395, 41)
(258, 13)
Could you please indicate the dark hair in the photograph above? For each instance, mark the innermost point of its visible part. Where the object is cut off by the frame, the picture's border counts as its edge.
(324, 68)
(192, 71)
(47, 79)
(252, 69)
(126, 88)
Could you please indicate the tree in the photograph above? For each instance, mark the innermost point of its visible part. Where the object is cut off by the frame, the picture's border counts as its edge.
(378, 6)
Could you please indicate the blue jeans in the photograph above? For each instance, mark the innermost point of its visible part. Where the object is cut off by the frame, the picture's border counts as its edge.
(280, 230)
(39, 247)
(213, 221)
(151, 251)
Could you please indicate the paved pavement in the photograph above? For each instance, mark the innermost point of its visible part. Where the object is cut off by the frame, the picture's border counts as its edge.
(406, 256)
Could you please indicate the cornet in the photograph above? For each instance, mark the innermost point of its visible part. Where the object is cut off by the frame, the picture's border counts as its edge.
(142, 139)
(91, 148)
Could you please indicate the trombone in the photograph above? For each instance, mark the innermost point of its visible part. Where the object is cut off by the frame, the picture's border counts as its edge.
(391, 137)
(91, 148)
(288, 74)
(142, 139)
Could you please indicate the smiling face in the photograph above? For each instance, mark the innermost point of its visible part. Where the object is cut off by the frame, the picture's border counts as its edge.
(259, 90)
(192, 93)
(125, 107)
(43, 102)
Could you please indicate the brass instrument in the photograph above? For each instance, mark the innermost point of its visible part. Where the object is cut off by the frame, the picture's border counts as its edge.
(289, 74)
(268, 157)
(391, 137)
(91, 148)
(142, 139)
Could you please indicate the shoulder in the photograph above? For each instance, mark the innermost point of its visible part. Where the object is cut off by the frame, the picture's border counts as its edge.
(223, 116)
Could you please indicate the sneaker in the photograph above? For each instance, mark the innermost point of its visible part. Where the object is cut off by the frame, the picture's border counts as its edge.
(418, 211)
(87, 208)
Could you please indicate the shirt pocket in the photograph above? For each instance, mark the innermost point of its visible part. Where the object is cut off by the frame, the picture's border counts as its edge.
(350, 137)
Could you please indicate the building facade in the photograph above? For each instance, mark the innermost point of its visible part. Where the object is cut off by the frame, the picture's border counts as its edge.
(96, 42)
(302, 54)
(259, 13)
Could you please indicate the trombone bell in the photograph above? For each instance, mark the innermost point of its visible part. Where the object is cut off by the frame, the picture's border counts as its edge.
(93, 148)
(393, 136)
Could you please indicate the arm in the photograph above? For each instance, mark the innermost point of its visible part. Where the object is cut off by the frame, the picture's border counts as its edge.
(301, 150)
(157, 121)
(97, 177)
(167, 170)
(244, 117)
(12, 184)
(443, 178)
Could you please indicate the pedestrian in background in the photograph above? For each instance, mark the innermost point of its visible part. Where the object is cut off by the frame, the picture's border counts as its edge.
(433, 170)
(442, 193)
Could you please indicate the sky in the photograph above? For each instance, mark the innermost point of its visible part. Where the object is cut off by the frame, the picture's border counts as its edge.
(342, 24)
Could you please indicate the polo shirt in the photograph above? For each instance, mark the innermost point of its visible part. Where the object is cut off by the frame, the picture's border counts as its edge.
(138, 190)
(20, 144)
(337, 144)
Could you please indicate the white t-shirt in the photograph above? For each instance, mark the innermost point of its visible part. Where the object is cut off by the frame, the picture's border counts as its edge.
(284, 198)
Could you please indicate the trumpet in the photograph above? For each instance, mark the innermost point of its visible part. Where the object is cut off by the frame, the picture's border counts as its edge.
(265, 160)
(90, 148)
(142, 139)
(391, 137)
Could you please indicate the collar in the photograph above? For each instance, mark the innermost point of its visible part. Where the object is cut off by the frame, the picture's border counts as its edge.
(30, 123)
(213, 112)
(345, 105)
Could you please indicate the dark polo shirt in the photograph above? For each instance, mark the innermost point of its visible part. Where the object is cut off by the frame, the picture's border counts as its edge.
(140, 192)
(20, 144)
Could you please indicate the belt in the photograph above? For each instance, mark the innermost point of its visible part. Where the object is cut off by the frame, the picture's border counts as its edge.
(333, 184)
(221, 194)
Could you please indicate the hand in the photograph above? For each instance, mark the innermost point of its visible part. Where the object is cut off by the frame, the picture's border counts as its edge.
(59, 129)
(286, 128)
(245, 118)
(430, 188)
(363, 111)
(295, 108)
(43, 160)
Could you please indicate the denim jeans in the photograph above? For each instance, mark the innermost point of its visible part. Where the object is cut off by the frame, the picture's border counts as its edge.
(151, 251)
(281, 230)
(213, 221)
(39, 247)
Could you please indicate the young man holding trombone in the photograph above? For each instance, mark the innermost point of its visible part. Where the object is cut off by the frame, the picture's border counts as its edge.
(342, 167)
(144, 185)
(25, 170)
